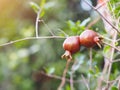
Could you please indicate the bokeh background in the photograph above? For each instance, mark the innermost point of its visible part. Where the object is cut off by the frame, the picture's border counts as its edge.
(22, 64)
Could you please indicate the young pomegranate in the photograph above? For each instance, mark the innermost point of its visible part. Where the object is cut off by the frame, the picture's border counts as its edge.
(89, 38)
(71, 45)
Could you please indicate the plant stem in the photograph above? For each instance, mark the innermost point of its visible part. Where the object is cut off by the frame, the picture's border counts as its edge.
(86, 83)
(37, 23)
(47, 27)
(71, 81)
(90, 58)
(101, 4)
(64, 75)
(31, 38)
(118, 84)
(102, 16)
(90, 67)
(101, 78)
(111, 46)
(112, 53)
(92, 23)
(68, 80)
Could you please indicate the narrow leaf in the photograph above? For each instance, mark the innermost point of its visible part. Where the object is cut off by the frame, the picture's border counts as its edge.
(34, 6)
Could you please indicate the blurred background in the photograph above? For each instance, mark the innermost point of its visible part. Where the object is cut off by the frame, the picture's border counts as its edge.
(23, 65)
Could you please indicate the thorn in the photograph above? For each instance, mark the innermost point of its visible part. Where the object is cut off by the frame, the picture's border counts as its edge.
(99, 45)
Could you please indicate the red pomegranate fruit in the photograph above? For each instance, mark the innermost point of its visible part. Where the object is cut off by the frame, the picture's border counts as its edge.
(89, 39)
(71, 45)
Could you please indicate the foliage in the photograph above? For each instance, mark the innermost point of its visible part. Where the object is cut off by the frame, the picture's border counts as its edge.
(36, 64)
(114, 6)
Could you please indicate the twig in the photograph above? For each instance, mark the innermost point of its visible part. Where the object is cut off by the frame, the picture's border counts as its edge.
(47, 27)
(102, 16)
(71, 75)
(118, 84)
(66, 35)
(31, 38)
(64, 75)
(71, 80)
(113, 61)
(112, 54)
(90, 58)
(111, 46)
(101, 78)
(92, 23)
(54, 76)
(60, 78)
(37, 23)
(107, 65)
(90, 67)
(105, 37)
(114, 81)
(109, 82)
(118, 40)
(101, 4)
(85, 81)
(118, 60)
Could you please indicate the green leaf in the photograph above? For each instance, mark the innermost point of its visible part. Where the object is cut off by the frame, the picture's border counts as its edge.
(116, 43)
(42, 6)
(42, 3)
(78, 23)
(71, 24)
(49, 5)
(67, 87)
(106, 49)
(97, 69)
(34, 6)
(91, 71)
(42, 13)
(114, 88)
(97, 75)
(50, 70)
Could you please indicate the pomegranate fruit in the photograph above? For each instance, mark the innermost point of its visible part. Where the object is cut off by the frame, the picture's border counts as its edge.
(71, 45)
(89, 39)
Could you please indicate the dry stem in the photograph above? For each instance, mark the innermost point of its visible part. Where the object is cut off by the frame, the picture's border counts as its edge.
(37, 23)
(107, 66)
(64, 75)
(112, 53)
(103, 17)
(71, 81)
(47, 27)
(86, 82)
(111, 46)
(92, 23)
(31, 38)
(90, 58)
